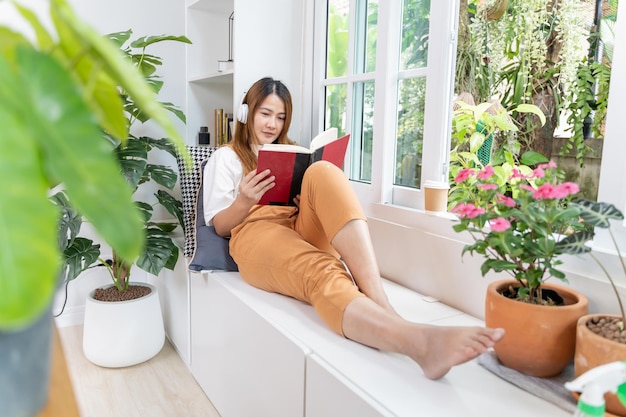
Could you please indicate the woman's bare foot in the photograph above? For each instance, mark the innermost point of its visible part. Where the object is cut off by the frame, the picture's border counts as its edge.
(438, 348)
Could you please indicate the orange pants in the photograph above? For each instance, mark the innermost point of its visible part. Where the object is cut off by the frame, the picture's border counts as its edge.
(288, 251)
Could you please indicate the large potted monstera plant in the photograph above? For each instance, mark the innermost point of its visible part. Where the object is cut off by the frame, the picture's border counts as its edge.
(130, 307)
(59, 91)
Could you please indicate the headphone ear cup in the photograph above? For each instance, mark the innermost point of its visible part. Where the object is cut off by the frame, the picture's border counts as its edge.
(242, 113)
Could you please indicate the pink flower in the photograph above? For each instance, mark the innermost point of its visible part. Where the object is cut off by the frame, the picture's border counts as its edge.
(550, 192)
(467, 210)
(546, 192)
(550, 164)
(539, 173)
(515, 173)
(499, 224)
(565, 189)
(527, 188)
(485, 173)
(463, 175)
(487, 186)
(507, 201)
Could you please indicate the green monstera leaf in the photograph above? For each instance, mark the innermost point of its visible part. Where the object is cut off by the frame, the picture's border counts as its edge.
(50, 136)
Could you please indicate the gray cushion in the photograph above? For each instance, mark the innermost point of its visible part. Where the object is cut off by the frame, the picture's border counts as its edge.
(208, 250)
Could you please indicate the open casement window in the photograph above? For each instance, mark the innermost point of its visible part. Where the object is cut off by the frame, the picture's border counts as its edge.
(383, 72)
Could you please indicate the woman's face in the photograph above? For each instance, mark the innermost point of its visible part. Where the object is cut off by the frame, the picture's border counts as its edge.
(269, 119)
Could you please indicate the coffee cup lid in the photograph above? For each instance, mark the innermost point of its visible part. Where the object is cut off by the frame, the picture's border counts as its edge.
(436, 184)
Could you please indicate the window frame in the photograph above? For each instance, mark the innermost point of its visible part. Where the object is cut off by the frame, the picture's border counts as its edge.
(439, 89)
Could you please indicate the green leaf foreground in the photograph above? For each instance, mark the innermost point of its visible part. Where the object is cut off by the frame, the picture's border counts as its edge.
(54, 102)
(27, 220)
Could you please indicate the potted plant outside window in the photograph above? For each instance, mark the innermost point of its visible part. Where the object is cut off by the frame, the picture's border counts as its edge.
(521, 223)
(58, 93)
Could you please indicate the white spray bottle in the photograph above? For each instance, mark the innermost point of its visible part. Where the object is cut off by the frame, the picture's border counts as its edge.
(610, 377)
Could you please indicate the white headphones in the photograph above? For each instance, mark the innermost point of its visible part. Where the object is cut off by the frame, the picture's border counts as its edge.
(242, 112)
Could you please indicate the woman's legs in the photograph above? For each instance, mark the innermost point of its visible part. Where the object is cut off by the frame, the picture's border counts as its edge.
(274, 257)
(354, 245)
(331, 211)
(331, 218)
(436, 349)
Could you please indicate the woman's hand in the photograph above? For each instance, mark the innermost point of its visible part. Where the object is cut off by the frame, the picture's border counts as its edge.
(253, 186)
(251, 189)
(296, 201)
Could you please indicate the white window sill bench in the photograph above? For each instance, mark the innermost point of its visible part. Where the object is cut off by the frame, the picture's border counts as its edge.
(260, 354)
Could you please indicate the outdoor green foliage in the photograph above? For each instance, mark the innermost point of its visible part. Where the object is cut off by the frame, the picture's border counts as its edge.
(57, 94)
(473, 130)
(588, 101)
(410, 133)
(533, 53)
(415, 27)
(159, 250)
(589, 93)
(412, 93)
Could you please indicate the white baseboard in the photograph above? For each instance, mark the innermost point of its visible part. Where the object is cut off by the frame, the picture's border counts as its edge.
(71, 316)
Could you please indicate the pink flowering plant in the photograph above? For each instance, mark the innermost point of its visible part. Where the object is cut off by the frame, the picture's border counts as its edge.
(521, 220)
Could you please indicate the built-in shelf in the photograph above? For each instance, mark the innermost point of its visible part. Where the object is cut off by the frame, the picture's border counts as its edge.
(214, 78)
(227, 29)
(219, 6)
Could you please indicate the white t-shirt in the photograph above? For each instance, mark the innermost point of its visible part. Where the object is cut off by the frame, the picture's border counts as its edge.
(224, 173)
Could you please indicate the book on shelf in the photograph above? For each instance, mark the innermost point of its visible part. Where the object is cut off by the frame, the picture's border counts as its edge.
(223, 127)
(289, 162)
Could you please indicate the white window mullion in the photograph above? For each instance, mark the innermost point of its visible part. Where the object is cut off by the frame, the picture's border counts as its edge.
(439, 89)
(319, 65)
(389, 16)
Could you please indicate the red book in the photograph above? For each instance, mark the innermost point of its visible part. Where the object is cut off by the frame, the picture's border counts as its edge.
(288, 163)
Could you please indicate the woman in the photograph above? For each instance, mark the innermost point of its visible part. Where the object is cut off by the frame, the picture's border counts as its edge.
(298, 251)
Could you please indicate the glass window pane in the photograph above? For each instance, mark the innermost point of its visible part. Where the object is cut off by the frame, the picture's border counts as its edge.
(363, 131)
(336, 108)
(410, 133)
(415, 22)
(337, 38)
(366, 36)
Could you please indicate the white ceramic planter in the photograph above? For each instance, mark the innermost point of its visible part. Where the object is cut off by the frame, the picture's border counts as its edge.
(125, 333)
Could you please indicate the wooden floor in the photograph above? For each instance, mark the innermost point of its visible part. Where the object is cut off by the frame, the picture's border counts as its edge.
(160, 387)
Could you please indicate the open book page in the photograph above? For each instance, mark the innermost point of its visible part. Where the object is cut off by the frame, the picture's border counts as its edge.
(275, 147)
(318, 142)
(323, 139)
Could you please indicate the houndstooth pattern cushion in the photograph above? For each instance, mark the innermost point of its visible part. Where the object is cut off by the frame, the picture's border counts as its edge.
(189, 183)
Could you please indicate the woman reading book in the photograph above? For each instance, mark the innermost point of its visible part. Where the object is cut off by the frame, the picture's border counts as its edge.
(298, 251)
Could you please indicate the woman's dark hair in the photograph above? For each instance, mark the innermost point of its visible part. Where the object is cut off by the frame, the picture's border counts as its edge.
(244, 132)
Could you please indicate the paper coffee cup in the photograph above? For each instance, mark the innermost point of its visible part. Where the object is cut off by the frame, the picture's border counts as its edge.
(436, 196)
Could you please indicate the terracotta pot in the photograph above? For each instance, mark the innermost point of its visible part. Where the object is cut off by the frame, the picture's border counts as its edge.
(540, 340)
(594, 350)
